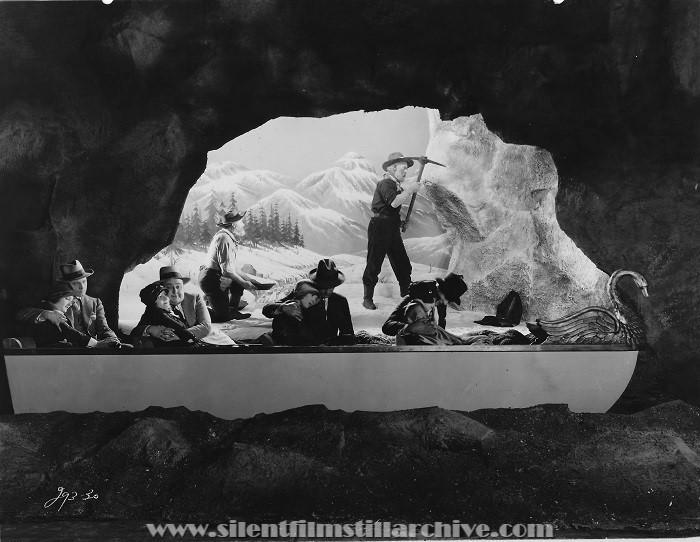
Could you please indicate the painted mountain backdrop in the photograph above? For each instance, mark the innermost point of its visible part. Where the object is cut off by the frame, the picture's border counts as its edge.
(331, 208)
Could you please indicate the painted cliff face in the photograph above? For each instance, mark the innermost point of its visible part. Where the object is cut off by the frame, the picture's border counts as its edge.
(497, 202)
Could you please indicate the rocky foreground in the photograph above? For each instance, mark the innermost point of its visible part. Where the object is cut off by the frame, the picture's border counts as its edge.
(582, 472)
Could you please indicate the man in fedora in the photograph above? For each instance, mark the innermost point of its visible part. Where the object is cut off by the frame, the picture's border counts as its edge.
(331, 316)
(220, 279)
(190, 308)
(86, 314)
(443, 291)
(384, 230)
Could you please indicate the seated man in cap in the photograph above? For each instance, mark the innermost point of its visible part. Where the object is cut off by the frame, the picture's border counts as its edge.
(447, 290)
(190, 308)
(61, 298)
(87, 314)
(331, 316)
(220, 279)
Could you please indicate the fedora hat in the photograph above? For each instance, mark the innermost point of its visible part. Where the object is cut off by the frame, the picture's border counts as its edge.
(396, 157)
(326, 274)
(59, 290)
(169, 272)
(230, 218)
(453, 286)
(73, 271)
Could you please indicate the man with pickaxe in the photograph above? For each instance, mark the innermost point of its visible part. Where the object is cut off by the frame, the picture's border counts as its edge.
(385, 226)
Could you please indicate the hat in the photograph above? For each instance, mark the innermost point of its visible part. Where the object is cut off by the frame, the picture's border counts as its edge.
(150, 293)
(396, 157)
(326, 274)
(59, 290)
(453, 287)
(168, 272)
(230, 218)
(304, 287)
(425, 290)
(73, 271)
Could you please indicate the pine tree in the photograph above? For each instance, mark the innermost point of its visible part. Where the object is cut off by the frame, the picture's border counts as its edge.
(301, 241)
(296, 236)
(205, 234)
(262, 221)
(212, 210)
(222, 212)
(252, 230)
(287, 230)
(195, 226)
(232, 203)
(275, 229)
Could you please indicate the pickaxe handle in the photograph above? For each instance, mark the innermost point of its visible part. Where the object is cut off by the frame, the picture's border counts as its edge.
(404, 225)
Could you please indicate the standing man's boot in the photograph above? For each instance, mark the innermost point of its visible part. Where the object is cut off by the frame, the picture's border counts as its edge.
(367, 302)
(403, 288)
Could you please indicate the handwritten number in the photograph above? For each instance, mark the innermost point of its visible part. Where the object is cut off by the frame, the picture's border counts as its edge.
(66, 496)
(89, 495)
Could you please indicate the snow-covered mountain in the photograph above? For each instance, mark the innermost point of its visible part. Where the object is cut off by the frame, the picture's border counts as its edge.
(325, 231)
(347, 186)
(223, 179)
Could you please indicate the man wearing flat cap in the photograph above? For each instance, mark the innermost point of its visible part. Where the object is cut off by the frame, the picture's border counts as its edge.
(384, 230)
(86, 314)
(220, 279)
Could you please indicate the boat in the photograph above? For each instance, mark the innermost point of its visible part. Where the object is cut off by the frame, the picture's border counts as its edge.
(242, 381)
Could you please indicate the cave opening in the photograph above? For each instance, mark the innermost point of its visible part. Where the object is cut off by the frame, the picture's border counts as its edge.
(306, 186)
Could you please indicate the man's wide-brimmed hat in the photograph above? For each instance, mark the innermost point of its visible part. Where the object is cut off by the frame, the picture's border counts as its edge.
(169, 272)
(73, 271)
(453, 286)
(150, 293)
(59, 290)
(231, 218)
(326, 274)
(396, 157)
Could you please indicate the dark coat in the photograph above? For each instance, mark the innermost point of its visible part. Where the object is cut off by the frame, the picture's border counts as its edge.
(333, 325)
(153, 316)
(46, 334)
(397, 319)
(288, 331)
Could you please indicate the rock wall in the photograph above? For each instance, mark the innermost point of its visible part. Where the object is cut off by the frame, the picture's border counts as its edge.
(107, 112)
(583, 473)
(497, 201)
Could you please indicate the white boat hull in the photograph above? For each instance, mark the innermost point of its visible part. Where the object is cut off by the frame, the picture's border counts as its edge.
(239, 384)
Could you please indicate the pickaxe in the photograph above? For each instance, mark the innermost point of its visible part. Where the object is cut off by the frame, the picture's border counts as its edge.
(423, 160)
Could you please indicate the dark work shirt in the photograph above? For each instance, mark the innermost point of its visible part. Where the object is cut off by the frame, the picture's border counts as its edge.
(384, 195)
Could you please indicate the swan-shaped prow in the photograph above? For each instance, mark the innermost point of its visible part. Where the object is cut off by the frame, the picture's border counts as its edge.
(598, 325)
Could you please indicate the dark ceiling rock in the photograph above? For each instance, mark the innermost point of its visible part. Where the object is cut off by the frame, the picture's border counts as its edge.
(107, 113)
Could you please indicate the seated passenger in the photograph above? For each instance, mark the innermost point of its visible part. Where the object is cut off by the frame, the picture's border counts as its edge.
(433, 334)
(291, 324)
(447, 290)
(61, 299)
(331, 317)
(188, 307)
(87, 314)
(160, 313)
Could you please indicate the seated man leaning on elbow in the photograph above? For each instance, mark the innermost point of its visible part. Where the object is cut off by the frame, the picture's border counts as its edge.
(86, 314)
(190, 308)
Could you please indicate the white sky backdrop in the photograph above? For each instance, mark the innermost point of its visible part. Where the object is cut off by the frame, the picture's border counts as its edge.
(300, 146)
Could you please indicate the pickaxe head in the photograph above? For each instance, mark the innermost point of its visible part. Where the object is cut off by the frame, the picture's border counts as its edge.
(426, 160)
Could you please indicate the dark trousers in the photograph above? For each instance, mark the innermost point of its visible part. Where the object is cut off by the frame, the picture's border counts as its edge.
(384, 239)
(219, 302)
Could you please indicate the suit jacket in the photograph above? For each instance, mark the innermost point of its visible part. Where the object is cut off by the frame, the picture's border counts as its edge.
(287, 330)
(331, 324)
(397, 319)
(88, 315)
(196, 314)
(47, 334)
(153, 316)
